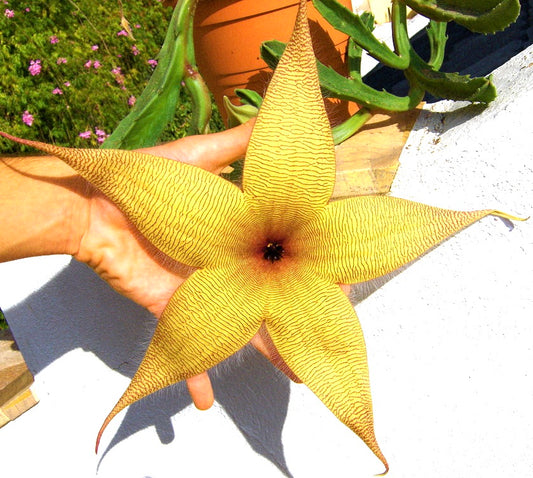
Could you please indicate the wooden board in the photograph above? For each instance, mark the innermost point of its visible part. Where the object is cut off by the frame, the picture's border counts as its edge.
(15, 380)
(367, 162)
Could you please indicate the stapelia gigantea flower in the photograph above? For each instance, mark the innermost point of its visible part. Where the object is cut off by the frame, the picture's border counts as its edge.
(272, 253)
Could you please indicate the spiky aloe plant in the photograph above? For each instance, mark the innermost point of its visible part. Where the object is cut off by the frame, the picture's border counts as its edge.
(177, 67)
(423, 76)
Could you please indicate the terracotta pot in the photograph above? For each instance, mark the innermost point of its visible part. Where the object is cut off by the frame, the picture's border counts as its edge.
(229, 33)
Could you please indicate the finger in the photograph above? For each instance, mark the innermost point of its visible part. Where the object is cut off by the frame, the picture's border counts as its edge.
(212, 152)
(345, 288)
(201, 391)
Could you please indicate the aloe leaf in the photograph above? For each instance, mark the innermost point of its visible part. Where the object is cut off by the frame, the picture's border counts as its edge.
(156, 106)
(354, 52)
(351, 89)
(343, 88)
(351, 24)
(451, 86)
(436, 32)
(400, 37)
(482, 16)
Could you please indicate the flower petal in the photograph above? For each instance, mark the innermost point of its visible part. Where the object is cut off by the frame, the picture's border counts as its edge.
(210, 317)
(190, 214)
(289, 170)
(318, 335)
(365, 237)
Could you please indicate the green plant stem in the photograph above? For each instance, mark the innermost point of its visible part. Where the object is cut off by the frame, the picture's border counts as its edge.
(352, 25)
(349, 127)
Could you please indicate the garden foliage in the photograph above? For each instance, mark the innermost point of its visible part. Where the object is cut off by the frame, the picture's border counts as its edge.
(70, 70)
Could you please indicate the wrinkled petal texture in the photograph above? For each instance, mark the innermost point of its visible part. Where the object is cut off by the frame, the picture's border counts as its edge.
(210, 317)
(191, 215)
(316, 331)
(361, 238)
(290, 162)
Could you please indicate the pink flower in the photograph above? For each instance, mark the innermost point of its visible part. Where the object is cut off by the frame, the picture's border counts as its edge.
(119, 77)
(27, 9)
(54, 40)
(101, 135)
(94, 47)
(122, 33)
(35, 67)
(152, 63)
(132, 100)
(85, 134)
(9, 13)
(27, 118)
(67, 83)
(88, 64)
(97, 64)
(135, 50)
(61, 60)
(57, 91)
(137, 25)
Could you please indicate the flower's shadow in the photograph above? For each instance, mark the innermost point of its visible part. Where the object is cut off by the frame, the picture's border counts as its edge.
(77, 310)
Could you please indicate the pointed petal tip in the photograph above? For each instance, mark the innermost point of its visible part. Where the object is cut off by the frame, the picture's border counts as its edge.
(383, 460)
(386, 470)
(510, 217)
(118, 408)
(102, 429)
(10, 137)
(47, 148)
(97, 442)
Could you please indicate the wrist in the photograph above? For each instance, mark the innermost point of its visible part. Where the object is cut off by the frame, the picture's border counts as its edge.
(43, 206)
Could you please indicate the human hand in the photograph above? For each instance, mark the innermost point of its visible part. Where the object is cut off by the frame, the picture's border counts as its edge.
(47, 208)
(113, 247)
(96, 232)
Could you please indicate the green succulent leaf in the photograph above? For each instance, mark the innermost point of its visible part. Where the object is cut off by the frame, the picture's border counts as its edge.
(156, 106)
(354, 52)
(193, 81)
(356, 27)
(343, 88)
(482, 16)
(436, 32)
(351, 89)
(238, 114)
(249, 97)
(201, 101)
(349, 127)
(452, 86)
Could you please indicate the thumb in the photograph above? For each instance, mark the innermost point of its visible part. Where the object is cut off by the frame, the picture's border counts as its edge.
(212, 152)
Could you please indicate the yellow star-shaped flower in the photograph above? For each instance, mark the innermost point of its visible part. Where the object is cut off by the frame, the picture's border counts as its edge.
(272, 253)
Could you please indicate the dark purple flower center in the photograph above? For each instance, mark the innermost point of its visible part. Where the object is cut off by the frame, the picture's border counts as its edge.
(273, 251)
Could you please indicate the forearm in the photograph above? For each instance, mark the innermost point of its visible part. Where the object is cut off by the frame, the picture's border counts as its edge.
(41, 207)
